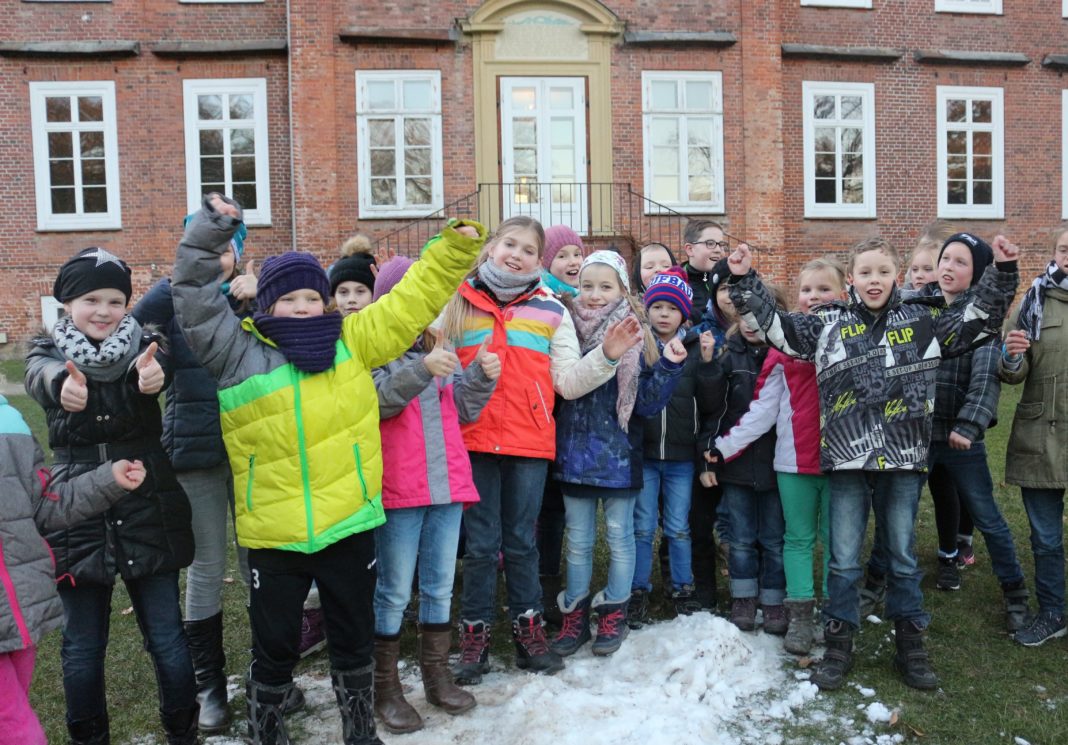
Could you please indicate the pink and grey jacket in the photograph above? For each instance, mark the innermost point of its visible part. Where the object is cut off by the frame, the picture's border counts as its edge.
(30, 503)
(424, 458)
(785, 397)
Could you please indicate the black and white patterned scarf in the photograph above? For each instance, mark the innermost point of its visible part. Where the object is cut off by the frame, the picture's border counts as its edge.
(1030, 318)
(107, 361)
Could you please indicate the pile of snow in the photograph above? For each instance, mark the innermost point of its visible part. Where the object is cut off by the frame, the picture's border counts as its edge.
(695, 679)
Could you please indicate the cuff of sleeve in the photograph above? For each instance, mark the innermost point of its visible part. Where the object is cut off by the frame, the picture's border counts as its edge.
(967, 429)
(671, 366)
(1008, 267)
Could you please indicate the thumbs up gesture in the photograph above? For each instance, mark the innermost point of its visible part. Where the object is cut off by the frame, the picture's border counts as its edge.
(441, 363)
(243, 287)
(75, 391)
(488, 361)
(149, 373)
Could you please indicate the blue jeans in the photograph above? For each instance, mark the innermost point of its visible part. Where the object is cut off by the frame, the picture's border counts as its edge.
(756, 540)
(580, 503)
(510, 490)
(87, 617)
(429, 535)
(894, 496)
(1045, 512)
(675, 479)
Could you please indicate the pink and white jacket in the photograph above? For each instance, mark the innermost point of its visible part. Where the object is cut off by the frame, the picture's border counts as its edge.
(785, 397)
(424, 458)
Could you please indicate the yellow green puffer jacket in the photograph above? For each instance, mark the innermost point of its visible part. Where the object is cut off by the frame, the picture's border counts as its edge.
(305, 448)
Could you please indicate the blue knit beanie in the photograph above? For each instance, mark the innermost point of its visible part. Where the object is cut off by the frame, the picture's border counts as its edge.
(670, 286)
(293, 270)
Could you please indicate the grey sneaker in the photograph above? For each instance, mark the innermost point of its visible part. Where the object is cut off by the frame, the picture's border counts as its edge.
(1044, 626)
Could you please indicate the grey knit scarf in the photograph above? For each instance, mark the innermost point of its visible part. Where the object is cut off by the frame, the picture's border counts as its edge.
(506, 286)
(107, 361)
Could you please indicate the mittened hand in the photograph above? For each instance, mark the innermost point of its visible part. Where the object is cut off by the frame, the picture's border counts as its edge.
(740, 262)
(128, 474)
(150, 375)
(675, 351)
(708, 346)
(1004, 250)
(620, 337)
(74, 394)
(488, 361)
(440, 362)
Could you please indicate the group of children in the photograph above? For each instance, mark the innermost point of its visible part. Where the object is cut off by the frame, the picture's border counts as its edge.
(373, 415)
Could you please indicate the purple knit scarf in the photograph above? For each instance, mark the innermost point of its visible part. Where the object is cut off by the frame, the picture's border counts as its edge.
(309, 343)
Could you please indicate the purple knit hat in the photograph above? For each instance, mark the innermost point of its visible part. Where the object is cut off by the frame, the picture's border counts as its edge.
(390, 274)
(556, 238)
(293, 270)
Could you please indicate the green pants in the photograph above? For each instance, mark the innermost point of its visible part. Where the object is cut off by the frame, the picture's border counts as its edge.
(805, 500)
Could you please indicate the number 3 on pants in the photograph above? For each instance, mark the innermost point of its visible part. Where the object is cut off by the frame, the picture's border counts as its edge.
(255, 579)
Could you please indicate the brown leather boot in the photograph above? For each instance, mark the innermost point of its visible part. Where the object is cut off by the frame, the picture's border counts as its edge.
(397, 715)
(437, 678)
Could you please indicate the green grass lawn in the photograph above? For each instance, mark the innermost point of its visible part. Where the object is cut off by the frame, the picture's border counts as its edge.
(992, 689)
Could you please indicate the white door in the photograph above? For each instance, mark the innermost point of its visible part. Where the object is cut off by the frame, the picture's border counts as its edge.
(543, 150)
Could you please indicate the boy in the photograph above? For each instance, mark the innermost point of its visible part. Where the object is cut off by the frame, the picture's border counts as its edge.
(877, 359)
(705, 245)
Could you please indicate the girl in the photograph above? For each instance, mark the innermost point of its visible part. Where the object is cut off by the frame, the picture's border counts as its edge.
(30, 502)
(562, 260)
(423, 398)
(652, 259)
(192, 437)
(785, 398)
(669, 440)
(352, 278)
(1036, 354)
(511, 444)
(750, 494)
(97, 378)
(300, 421)
(599, 446)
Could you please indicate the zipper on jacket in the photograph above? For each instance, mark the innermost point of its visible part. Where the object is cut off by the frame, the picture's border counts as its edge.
(663, 431)
(16, 611)
(248, 486)
(541, 398)
(302, 450)
(1053, 408)
(359, 470)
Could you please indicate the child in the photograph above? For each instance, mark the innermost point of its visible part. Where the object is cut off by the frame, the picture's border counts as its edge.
(192, 437)
(651, 260)
(423, 398)
(599, 456)
(750, 495)
(562, 260)
(876, 361)
(352, 278)
(1036, 354)
(97, 377)
(966, 402)
(669, 443)
(514, 439)
(29, 502)
(300, 421)
(705, 245)
(785, 398)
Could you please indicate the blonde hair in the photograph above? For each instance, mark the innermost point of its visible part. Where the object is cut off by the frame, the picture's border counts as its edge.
(454, 318)
(1058, 232)
(932, 238)
(827, 264)
(357, 244)
(881, 245)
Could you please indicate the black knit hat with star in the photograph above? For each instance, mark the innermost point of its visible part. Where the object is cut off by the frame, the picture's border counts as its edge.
(92, 269)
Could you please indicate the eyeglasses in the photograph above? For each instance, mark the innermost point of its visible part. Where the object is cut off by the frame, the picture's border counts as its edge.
(721, 245)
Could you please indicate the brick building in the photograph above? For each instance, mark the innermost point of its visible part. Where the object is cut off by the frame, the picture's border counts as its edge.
(803, 125)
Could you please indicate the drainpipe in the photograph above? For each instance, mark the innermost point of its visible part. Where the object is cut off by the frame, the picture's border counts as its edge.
(289, 98)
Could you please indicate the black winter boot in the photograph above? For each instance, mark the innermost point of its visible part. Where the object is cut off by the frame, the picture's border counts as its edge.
(181, 725)
(531, 647)
(838, 659)
(912, 660)
(550, 588)
(209, 663)
(354, 690)
(1017, 612)
(264, 704)
(474, 653)
(95, 731)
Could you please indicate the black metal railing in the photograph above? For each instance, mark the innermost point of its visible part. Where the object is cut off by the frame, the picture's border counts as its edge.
(602, 213)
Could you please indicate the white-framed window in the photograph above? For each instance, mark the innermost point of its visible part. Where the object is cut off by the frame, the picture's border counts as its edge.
(1064, 154)
(837, 3)
(968, 6)
(398, 139)
(682, 136)
(839, 149)
(75, 155)
(970, 153)
(51, 311)
(226, 144)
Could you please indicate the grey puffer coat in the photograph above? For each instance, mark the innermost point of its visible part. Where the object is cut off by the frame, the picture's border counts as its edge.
(30, 502)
